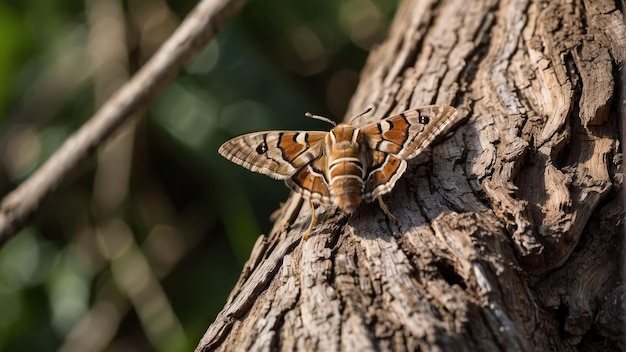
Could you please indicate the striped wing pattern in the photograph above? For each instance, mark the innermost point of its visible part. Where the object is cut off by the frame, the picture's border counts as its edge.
(382, 175)
(278, 154)
(311, 182)
(407, 134)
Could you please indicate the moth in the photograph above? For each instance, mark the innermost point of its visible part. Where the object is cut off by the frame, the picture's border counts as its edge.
(346, 165)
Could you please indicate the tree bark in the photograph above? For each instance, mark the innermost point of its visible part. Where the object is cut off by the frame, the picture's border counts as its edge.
(510, 231)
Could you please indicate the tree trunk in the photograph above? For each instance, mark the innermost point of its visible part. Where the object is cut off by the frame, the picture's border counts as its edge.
(509, 234)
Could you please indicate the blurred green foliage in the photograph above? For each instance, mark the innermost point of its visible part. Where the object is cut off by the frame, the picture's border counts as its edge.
(140, 249)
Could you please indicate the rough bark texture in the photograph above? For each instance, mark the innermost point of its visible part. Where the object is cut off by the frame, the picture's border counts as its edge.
(510, 231)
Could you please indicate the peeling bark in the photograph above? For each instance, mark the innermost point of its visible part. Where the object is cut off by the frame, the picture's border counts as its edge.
(510, 231)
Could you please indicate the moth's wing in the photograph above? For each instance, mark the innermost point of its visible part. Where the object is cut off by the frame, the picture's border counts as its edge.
(382, 174)
(407, 134)
(278, 154)
(311, 183)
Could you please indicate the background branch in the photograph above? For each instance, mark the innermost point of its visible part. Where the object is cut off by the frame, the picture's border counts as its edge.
(202, 24)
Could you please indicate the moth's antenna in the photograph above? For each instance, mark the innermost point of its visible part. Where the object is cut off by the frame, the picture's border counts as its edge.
(321, 118)
(361, 114)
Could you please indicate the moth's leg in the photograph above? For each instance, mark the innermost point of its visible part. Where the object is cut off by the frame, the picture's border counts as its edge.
(383, 206)
(313, 221)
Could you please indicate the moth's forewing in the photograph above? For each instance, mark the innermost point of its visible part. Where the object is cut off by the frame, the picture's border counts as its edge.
(407, 134)
(278, 154)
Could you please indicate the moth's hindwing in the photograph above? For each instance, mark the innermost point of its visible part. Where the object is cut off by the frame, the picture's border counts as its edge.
(310, 181)
(382, 174)
(278, 154)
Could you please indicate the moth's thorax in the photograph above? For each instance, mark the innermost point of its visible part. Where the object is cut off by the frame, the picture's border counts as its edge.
(346, 166)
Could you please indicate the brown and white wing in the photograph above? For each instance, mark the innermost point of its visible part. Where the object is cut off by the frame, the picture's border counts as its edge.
(278, 154)
(311, 183)
(407, 134)
(382, 174)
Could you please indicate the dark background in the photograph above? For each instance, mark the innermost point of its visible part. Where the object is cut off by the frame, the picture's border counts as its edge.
(191, 216)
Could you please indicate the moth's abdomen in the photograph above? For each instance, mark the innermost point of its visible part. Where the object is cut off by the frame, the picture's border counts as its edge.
(347, 192)
(346, 181)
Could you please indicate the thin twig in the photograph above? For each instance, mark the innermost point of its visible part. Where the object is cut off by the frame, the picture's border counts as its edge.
(202, 24)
